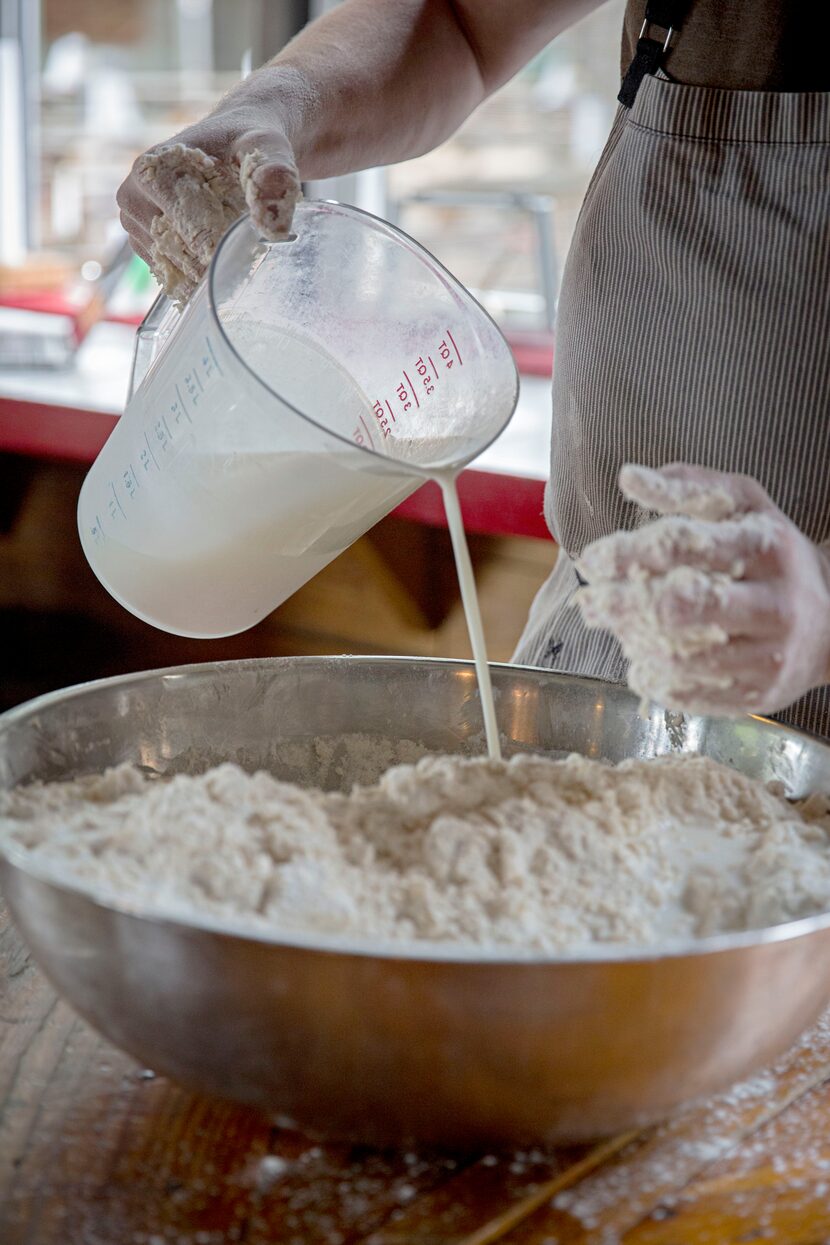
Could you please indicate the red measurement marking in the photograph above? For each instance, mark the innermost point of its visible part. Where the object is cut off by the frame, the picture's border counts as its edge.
(368, 433)
(412, 388)
(389, 409)
(434, 368)
(458, 353)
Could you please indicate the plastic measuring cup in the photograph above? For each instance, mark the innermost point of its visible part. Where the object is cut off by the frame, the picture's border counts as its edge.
(307, 388)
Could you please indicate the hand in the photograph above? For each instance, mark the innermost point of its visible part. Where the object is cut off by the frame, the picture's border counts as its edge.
(182, 195)
(725, 610)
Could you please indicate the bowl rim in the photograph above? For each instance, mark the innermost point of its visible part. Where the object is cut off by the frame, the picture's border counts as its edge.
(15, 857)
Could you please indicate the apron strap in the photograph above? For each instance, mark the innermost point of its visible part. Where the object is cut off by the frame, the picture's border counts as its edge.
(665, 15)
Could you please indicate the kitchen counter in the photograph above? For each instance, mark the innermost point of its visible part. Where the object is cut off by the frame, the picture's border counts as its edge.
(67, 415)
(95, 1150)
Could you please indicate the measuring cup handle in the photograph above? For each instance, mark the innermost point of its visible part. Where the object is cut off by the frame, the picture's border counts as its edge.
(150, 336)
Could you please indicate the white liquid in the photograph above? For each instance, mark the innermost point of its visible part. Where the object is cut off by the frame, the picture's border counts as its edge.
(472, 613)
(245, 503)
(292, 366)
(259, 527)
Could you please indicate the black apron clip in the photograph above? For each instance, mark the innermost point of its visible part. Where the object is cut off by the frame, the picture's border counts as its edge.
(661, 15)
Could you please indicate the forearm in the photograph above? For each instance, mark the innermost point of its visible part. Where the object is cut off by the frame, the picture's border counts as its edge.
(371, 83)
(375, 82)
(354, 91)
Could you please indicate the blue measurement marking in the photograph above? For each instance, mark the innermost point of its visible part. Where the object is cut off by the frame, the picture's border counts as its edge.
(115, 495)
(135, 477)
(184, 406)
(213, 356)
(198, 378)
(150, 448)
(167, 426)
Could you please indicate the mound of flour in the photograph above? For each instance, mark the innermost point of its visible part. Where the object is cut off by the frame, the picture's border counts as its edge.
(530, 853)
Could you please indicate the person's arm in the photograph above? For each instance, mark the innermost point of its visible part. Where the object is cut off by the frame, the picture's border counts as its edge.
(371, 83)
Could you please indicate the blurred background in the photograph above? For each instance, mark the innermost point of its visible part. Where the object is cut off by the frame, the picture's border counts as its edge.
(84, 87)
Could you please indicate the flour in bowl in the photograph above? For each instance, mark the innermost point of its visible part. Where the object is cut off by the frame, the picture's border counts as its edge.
(530, 853)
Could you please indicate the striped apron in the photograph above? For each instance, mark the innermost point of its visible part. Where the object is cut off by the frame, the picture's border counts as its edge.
(693, 326)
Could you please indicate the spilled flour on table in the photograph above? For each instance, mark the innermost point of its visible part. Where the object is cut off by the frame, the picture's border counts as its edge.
(768, 1120)
(531, 853)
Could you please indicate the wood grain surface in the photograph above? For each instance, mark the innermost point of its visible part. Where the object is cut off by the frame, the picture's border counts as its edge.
(95, 1150)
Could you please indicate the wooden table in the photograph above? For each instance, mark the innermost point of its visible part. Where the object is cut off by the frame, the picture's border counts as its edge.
(97, 1151)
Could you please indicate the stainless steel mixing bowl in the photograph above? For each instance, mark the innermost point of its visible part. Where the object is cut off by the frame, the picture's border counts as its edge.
(385, 1044)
